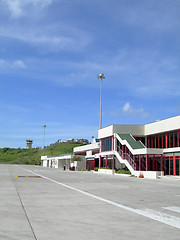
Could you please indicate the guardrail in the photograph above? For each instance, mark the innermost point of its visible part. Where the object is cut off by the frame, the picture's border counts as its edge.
(126, 157)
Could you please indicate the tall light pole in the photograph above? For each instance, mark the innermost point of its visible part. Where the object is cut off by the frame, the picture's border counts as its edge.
(44, 126)
(101, 76)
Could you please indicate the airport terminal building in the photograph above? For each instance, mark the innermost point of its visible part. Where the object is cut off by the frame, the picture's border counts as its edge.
(152, 149)
(149, 150)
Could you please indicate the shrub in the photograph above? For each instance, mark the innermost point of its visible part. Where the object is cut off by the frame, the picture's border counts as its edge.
(123, 171)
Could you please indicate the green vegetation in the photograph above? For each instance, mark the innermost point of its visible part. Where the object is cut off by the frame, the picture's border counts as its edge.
(76, 158)
(106, 168)
(119, 171)
(123, 171)
(33, 156)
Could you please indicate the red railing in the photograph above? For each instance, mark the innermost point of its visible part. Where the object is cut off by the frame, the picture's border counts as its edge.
(127, 157)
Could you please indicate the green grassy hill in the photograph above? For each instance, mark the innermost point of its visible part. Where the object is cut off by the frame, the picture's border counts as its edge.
(33, 156)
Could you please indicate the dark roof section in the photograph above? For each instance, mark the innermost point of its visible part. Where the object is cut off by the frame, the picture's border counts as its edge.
(132, 142)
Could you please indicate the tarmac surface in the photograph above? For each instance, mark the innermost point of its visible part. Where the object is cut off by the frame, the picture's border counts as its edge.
(44, 203)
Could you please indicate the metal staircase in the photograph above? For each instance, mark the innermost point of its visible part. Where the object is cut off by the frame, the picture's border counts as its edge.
(126, 159)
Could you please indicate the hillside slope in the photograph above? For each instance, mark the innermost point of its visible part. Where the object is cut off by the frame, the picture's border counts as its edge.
(33, 156)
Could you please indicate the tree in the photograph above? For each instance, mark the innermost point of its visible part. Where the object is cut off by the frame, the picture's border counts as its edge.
(76, 158)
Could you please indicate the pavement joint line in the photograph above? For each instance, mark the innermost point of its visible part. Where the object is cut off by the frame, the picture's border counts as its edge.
(29, 177)
(24, 209)
(149, 213)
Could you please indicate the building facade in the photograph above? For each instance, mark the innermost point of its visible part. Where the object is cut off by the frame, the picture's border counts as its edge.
(152, 149)
(65, 162)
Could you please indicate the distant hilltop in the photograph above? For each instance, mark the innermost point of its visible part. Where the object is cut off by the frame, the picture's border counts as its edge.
(72, 140)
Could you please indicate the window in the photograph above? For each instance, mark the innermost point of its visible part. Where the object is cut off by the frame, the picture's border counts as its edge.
(160, 141)
(164, 140)
(171, 142)
(177, 165)
(106, 144)
(176, 139)
(171, 166)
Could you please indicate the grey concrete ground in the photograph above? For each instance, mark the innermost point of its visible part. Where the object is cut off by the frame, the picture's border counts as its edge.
(86, 205)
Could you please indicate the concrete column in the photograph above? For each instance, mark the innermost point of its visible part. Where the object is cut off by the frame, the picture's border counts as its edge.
(115, 144)
(146, 141)
(113, 163)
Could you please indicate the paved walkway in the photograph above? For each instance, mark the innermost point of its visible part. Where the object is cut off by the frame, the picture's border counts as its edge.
(44, 203)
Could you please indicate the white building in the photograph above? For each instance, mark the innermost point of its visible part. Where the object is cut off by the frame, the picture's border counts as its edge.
(63, 161)
(149, 150)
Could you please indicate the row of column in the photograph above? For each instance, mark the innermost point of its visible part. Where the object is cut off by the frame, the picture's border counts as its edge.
(148, 162)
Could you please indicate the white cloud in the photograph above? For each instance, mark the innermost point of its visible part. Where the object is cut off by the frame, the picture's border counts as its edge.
(135, 112)
(18, 8)
(127, 107)
(18, 64)
(15, 64)
(14, 8)
(2, 62)
(46, 37)
(128, 110)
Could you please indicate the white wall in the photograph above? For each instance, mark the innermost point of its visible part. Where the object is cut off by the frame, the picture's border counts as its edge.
(118, 165)
(44, 163)
(87, 147)
(105, 132)
(165, 125)
(89, 153)
(149, 174)
(60, 161)
(136, 130)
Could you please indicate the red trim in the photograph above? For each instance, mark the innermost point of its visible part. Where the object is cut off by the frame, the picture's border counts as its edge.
(90, 164)
(174, 166)
(139, 162)
(113, 163)
(80, 153)
(167, 162)
(166, 140)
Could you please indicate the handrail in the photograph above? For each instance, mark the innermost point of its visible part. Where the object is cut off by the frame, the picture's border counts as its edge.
(127, 157)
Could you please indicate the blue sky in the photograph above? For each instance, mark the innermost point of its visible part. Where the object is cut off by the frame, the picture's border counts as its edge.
(52, 50)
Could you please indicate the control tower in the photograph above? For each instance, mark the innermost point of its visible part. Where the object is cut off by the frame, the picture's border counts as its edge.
(29, 144)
